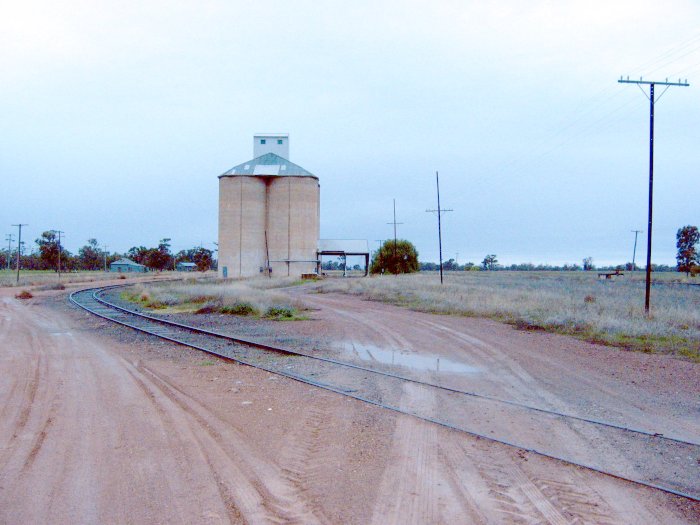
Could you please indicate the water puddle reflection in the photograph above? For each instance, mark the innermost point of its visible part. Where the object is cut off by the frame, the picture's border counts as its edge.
(420, 362)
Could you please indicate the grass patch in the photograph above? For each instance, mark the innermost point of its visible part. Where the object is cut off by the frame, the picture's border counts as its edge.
(207, 362)
(255, 298)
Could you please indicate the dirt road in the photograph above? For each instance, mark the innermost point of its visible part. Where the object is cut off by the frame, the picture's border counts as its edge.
(101, 425)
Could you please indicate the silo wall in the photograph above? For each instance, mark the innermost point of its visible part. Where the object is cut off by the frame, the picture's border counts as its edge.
(293, 224)
(242, 222)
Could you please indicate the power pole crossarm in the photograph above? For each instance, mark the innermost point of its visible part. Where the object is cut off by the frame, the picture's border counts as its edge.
(654, 82)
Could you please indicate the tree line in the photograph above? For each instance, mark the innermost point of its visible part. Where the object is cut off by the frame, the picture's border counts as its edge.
(399, 257)
(402, 257)
(91, 257)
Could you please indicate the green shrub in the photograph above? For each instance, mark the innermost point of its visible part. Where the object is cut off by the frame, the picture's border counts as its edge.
(239, 309)
(280, 312)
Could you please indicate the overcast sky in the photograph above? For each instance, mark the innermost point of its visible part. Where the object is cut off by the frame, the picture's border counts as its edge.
(117, 117)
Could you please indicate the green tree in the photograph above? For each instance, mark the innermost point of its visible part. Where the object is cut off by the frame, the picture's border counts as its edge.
(395, 257)
(588, 264)
(160, 258)
(203, 258)
(490, 262)
(686, 239)
(90, 257)
(450, 265)
(138, 254)
(48, 251)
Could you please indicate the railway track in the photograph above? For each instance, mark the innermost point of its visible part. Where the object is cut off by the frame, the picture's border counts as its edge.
(640, 456)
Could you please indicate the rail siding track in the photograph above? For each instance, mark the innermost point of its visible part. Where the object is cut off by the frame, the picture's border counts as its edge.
(673, 456)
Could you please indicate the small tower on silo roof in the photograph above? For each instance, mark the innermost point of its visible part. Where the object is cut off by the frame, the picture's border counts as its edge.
(277, 143)
(269, 214)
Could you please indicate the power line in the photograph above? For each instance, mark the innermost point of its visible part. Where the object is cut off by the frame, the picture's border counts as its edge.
(651, 84)
(558, 137)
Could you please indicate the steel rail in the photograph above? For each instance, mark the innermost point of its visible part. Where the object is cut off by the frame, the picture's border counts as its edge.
(97, 296)
(347, 392)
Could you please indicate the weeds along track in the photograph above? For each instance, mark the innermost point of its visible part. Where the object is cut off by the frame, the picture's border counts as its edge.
(641, 456)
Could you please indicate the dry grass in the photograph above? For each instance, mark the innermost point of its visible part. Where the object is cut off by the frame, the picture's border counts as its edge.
(49, 278)
(255, 297)
(574, 303)
(37, 277)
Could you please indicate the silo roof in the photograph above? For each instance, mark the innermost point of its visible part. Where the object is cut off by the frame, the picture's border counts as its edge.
(269, 164)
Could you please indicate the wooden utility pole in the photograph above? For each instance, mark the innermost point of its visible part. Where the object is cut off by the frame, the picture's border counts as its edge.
(439, 211)
(634, 251)
(19, 247)
(650, 96)
(395, 239)
(9, 239)
(59, 232)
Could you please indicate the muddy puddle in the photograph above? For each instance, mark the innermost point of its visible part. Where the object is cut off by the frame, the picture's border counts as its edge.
(406, 359)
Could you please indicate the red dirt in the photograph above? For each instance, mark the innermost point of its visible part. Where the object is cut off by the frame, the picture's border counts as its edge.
(102, 425)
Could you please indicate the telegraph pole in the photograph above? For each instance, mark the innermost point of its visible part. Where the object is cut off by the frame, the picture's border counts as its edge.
(439, 211)
(9, 240)
(634, 252)
(650, 96)
(395, 240)
(104, 251)
(59, 232)
(19, 244)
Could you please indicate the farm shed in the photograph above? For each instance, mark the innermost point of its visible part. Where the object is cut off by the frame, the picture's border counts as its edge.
(185, 266)
(126, 266)
(269, 213)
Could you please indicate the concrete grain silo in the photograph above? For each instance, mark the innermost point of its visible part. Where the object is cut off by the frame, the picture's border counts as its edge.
(268, 214)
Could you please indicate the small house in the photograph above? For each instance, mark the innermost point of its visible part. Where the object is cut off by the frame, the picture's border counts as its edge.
(127, 266)
(184, 266)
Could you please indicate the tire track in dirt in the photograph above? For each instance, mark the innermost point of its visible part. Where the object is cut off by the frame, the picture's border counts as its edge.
(306, 455)
(20, 405)
(407, 487)
(517, 496)
(259, 489)
(179, 434)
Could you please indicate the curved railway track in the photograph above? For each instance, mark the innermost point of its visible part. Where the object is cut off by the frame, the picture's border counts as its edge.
(668, 464)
